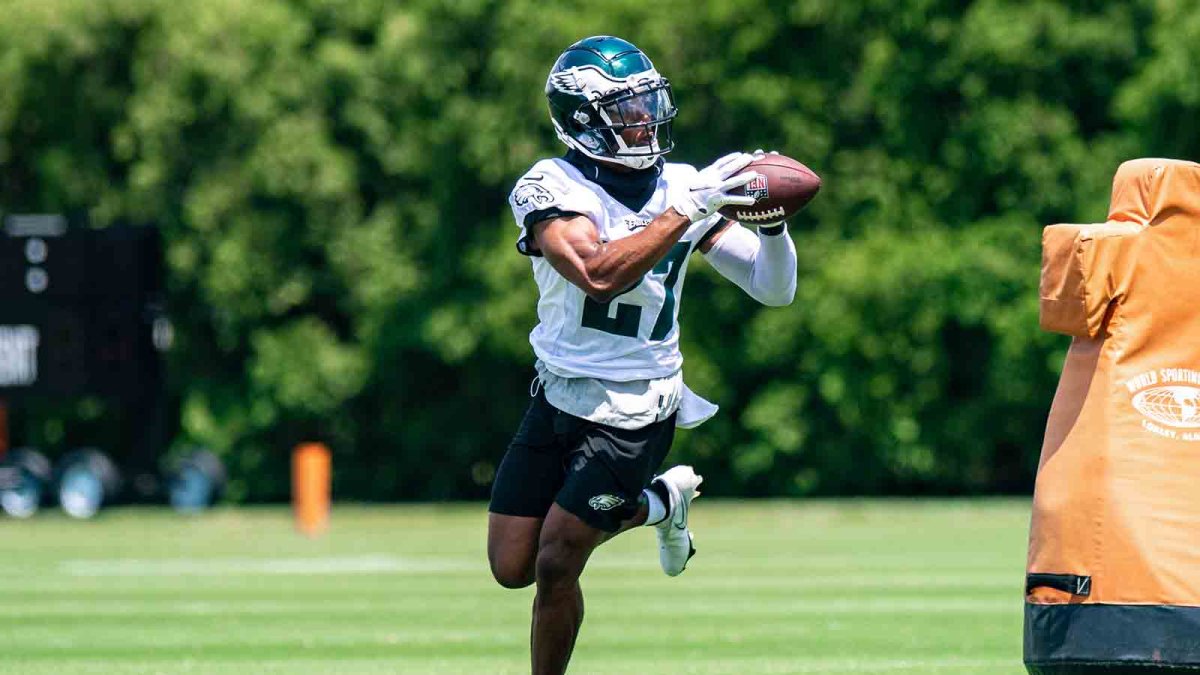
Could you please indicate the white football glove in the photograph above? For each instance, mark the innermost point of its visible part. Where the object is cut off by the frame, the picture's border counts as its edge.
(709, 191)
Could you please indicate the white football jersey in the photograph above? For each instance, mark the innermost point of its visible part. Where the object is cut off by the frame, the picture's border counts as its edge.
(636, 335)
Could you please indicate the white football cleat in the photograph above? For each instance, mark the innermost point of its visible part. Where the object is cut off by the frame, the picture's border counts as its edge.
(674, 539)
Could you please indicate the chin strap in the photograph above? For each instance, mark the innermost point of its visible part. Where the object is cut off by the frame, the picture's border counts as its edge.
(637, 163)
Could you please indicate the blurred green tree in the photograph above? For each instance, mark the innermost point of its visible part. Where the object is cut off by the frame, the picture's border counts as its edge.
(330, 177)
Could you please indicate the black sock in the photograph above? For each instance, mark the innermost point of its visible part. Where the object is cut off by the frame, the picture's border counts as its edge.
(659, 488)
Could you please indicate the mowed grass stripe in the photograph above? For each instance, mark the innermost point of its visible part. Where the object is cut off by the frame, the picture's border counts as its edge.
(705, 606)
(809, 584)
(386, 634)
(473, 664)
(788, 587)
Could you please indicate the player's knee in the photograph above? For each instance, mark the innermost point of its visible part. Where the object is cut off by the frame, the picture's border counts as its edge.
(557, 564)
(511, 574)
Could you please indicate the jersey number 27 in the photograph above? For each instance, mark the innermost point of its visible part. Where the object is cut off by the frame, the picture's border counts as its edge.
(628, 316)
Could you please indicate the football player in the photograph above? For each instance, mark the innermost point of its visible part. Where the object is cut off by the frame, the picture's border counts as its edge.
(609, 229)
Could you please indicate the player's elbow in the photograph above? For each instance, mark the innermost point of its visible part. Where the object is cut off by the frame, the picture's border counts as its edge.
(777, 298)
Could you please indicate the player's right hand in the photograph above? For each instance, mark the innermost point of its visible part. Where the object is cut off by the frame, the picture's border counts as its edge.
(710, 189)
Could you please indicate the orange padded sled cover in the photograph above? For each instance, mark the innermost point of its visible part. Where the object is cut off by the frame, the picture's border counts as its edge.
(1116, 512)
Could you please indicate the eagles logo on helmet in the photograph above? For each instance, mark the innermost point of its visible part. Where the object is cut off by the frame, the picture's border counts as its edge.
(608, 102)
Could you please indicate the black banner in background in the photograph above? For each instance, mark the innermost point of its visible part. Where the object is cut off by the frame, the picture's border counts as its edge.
(80, 309)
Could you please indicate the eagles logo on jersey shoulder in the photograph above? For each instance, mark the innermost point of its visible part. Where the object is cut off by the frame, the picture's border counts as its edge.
(537, 190)
(531, 193)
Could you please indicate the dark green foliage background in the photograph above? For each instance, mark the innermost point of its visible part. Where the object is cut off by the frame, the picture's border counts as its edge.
(330, 177)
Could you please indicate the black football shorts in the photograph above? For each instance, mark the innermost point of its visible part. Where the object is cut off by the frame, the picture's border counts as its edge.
(594, 471)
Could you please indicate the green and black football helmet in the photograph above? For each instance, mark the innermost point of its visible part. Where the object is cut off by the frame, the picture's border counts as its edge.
(608, 102)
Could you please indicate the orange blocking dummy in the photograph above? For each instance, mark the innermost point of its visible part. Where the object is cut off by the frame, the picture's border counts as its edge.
(1113, 576)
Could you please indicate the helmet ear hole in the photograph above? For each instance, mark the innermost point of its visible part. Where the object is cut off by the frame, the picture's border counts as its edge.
(591, 140)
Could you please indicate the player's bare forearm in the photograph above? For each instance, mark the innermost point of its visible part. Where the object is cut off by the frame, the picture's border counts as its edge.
(617, 265)
(603, 269)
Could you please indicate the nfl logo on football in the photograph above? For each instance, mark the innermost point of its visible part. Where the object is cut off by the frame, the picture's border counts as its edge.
(757, 188)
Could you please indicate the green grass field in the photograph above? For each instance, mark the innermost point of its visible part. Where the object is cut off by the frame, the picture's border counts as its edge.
(777, 587)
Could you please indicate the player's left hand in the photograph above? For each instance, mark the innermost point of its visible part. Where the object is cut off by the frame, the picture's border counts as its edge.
(710, 190)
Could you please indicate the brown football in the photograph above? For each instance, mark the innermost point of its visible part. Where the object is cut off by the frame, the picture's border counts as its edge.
(786, 187)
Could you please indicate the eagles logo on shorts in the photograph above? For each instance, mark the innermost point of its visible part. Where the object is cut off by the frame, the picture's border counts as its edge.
(605, 502)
